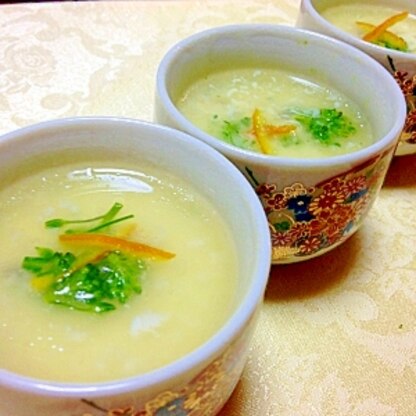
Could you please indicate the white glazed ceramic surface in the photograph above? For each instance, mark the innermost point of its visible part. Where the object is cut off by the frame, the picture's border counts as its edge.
(202, 381)
(401, 65)
(313, 205)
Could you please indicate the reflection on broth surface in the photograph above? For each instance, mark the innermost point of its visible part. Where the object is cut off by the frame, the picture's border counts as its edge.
(183, 300)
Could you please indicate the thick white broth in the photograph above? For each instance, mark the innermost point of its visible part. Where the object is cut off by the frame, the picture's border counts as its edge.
(183, 302)
(223, 102)
(345, 16)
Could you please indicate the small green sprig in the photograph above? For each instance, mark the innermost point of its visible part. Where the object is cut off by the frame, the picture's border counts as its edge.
(105, 220)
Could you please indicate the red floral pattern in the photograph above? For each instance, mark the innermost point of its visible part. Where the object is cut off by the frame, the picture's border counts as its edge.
(304, 221)
(407, 83)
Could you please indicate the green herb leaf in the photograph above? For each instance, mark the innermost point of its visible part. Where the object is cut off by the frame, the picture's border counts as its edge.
(96, 287)
(326, 124)
(230, 129)
(101, 286)
(236, 132)
(48, 262)
(97, 284)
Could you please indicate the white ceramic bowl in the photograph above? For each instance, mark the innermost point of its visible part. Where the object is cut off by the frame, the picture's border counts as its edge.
(294, 191)
(203, 380)
(401, 65)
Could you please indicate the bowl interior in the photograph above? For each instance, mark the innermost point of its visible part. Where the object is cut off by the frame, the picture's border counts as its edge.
(318, 57)
(316, 7)
(204, 168)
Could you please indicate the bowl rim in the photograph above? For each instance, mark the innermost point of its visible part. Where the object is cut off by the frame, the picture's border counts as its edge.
(370, 48)
(246, 30)
(232, 327)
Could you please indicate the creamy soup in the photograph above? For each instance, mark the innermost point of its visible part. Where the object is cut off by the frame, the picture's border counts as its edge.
(277, 112)
(358, 19)
(184, 298)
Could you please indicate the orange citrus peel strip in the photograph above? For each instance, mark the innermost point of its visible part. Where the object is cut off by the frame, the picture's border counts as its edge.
(259, 128)
(98, 255)
(375, 33)
(115, 243)
(386, 37)
(263, 131)
(283, 129)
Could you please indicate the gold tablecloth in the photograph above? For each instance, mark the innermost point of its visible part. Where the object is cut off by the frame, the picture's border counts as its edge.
(337, 334)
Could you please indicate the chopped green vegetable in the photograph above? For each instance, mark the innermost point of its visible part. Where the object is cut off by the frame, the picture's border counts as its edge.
(48, 262)
(101, 286)
(97, 286)
(326, 124)
(96, 281)
(235, 133)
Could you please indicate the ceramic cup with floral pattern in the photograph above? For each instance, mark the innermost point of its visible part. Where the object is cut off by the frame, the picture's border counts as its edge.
(402, 65)
(312, 204)
(200, 382)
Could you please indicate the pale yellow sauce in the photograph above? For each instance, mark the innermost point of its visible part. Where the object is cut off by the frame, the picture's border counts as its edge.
(184, 300)
(345, 15)
(234, 94)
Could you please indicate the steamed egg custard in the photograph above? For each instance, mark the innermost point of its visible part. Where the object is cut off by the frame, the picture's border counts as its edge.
(275, 111)
(108, 270)
(375, 22)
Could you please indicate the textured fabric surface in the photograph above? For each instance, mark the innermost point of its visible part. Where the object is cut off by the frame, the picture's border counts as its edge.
(337, 334)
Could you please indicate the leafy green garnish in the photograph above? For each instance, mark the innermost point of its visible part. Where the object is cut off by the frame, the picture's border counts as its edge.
(326, 124)
(107, 219)
(97, 286)
(230, 129)
(101, 286)
(290, 140)
(235, 132)
(48, 262)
